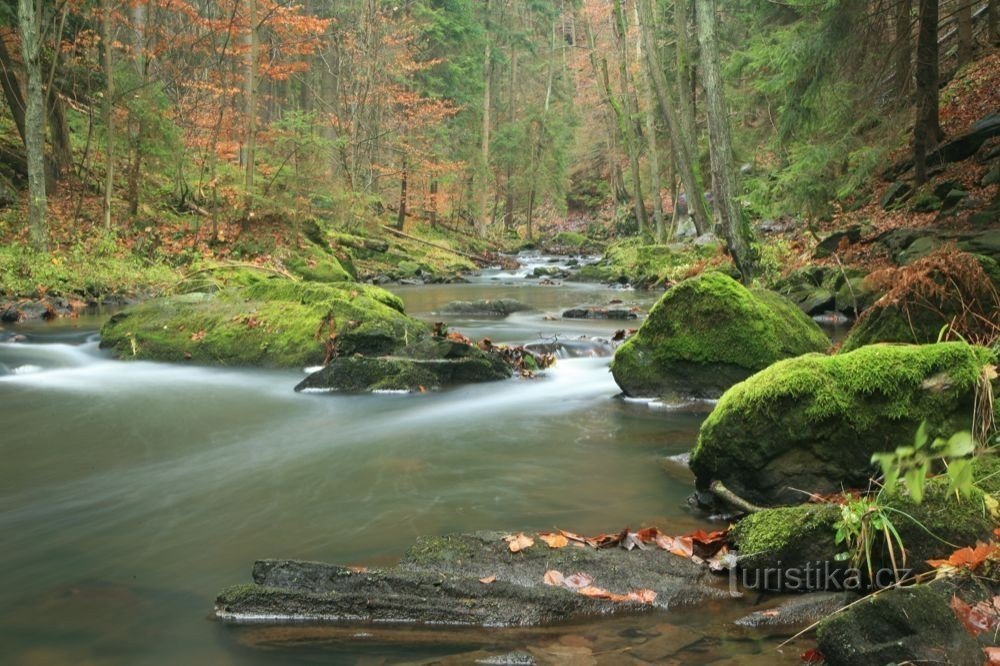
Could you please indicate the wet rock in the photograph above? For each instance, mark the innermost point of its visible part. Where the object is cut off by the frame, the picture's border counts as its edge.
(904, 625)
(708, 333)
(798, 611)
(363, 374)
(599, 312)
(960, 148)
(831, 243)
(775, 542)
(9, 314)
(812, 423)
(497, 307)
(438, 581)
(548, 271)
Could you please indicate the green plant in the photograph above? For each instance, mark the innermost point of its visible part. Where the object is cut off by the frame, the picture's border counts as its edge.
(863, 522)
(912, 464)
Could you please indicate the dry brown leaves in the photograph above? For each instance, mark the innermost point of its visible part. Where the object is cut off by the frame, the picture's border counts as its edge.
(970, 557)
(518, 542)
(583, 584)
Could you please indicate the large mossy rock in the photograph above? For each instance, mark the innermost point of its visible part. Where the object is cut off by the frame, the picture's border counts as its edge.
(439, 582)
(708, 333)
(796, 537)
(812, 423)
(910, 625)
(264, 322)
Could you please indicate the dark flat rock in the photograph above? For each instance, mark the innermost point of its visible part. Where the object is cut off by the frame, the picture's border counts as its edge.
(438, 581)
(497, 307)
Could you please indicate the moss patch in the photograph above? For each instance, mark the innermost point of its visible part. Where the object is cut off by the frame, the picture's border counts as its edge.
(708, 333)
(644, 265)
(264, 322)
(813, 422)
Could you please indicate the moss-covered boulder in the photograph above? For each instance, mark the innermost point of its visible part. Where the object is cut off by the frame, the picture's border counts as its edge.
(911, 625)
(708, 333)
(812, 423)
(821, 289)
(264, 322)
(793, 538)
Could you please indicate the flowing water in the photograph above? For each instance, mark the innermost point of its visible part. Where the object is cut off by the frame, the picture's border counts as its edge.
(130, 493)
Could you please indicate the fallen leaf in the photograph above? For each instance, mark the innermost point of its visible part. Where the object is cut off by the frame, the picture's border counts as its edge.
(812, 656)
(519, 542)
(553, 577)
(642, 596)
(578, 581)
(594, 592)
(973, 618)
(553, 540)
(682, 546)
(632, 540)
(992, 656)
(488, 580)
(969, 557)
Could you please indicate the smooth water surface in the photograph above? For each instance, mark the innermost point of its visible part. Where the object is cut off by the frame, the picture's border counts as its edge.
(130, 493)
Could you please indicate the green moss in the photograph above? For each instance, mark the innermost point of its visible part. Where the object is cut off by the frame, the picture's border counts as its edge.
(81, 272)
(791, 535)
(315, 265)
(712, 320)
(270, 322)
(642, 264)
(813, 422)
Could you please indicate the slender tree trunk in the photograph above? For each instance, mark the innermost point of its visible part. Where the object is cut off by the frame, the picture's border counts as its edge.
(650, 119)
(903, 48)
(434, 202)
(963, 16)
(34, 121)
(626, 113)
(251, 106)
(401, 216)
(737, 231)
(12, 89)
(62, 153)
(685, 158)
(926, 129)
(137, 126)
(109, 120)
(482, 188)
(684, 72)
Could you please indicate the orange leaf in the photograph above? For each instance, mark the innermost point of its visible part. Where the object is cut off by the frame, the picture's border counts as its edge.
(553, 540)
(519, 542)
(488, 580)
(970, 557)
(578, 581)
(643, 596)
(594, 592)
(812, 656)
(972, 618)
(992, 656)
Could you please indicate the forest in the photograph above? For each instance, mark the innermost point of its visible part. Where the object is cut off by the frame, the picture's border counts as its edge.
(575, 331)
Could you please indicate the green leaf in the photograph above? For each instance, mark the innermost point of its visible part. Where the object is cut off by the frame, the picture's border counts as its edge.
(914, 481)
(905, 451)
(961, 444)
(891, 478)
(840, 557)
(960, 476)
(921, 437)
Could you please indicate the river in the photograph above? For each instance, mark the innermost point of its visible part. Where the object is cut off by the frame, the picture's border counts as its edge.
(130, 493)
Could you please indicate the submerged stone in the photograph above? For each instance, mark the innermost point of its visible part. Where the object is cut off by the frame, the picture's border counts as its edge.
(495, 307)
(440, 581)
(708, 333)
(812, 423)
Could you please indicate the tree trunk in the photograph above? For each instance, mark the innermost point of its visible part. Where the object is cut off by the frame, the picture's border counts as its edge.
(434, 202)
(401, 216)
(12, 89)
(684, 73)
(626, 113)
(482, 189)
(251, 106)
(737, 231)
(685, 158)
(650, 119)
(34, 121)
(926, 129)
(963, 15)
(137, 126)
(109, 120)
(903, 47)
(62, 153)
